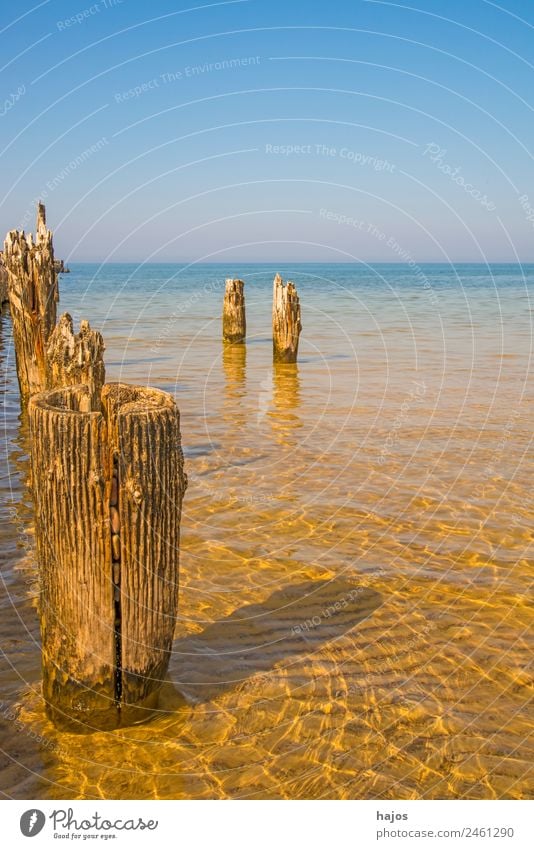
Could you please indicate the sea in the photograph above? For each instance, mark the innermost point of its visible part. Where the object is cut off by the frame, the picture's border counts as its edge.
(356, 540)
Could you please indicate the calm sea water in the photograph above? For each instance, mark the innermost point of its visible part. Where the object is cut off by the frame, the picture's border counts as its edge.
(356, 540)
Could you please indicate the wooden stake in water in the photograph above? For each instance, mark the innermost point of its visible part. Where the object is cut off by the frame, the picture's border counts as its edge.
(286, 321)
(108, 488)
(4, 296)
(76, 358)
(234, 320)
(33, 295)
(47, 355)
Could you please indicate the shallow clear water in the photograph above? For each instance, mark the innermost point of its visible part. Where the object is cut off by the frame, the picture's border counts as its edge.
(356, 540)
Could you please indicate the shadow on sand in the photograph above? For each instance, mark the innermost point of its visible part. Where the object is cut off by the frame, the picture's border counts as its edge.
(294, 621)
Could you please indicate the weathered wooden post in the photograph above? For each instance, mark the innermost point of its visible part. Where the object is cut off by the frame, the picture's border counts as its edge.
(48, 356)
(76, 358)
(108, 487)
(234, 320)
(4, 295)
(286, 321)
(33, 294)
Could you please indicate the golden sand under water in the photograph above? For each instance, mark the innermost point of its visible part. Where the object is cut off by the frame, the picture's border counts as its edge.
(353, 620)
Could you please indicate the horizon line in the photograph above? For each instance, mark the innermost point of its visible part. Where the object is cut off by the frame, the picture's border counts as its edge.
(412, 264)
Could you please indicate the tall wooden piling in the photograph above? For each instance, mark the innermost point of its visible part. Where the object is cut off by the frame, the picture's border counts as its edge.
(48, 356)
(108, 489)
(234, 319)
(286, 321)
(71, 486)
(4, 295)
(33, 295)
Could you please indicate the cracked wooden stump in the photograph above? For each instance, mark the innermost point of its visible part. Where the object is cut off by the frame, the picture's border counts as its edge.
(234, 319)
(47, 355)
(108, 488)
(74, 359)
(33, 295)
(286, 321)
(4, 295)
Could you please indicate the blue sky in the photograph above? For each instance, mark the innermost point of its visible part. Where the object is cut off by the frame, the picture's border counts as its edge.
(271, 131)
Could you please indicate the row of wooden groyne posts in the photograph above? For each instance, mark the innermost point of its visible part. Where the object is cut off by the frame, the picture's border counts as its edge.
(107, 480)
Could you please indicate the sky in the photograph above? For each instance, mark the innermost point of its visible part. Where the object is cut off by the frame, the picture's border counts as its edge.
(260, 130)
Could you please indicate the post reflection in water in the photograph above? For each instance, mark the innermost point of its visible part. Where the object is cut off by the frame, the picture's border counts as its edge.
(234, 358)
(283, 412)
